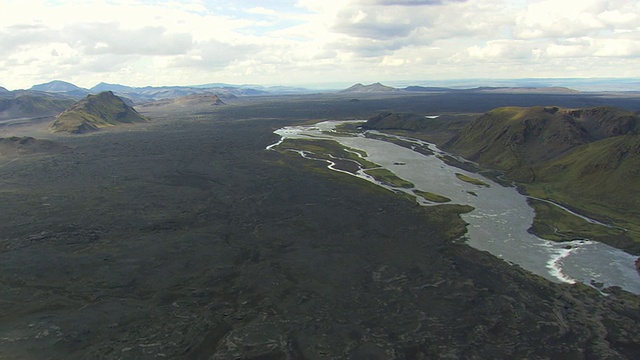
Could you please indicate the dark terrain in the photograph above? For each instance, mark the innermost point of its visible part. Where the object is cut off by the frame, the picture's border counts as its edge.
(185, 238)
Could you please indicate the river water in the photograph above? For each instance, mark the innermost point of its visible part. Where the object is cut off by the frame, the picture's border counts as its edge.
(501, 217)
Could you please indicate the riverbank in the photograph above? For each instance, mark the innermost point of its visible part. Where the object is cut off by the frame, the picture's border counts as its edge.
(501, 219)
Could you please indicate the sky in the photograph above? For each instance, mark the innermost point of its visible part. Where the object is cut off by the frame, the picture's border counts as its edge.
(305, 42)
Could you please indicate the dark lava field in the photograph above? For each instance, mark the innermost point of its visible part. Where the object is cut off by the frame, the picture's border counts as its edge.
(183, 238)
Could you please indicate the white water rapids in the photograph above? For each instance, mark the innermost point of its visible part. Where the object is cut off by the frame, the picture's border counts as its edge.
(501, 217)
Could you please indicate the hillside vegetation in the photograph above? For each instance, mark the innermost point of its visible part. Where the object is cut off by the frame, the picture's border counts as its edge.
(588, 159)
(96, 112)
(397, 121)
(434, 128)
(31, 105)
(511, 138)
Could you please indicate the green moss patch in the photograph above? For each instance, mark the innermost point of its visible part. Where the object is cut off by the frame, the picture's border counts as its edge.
(432, 197)
(387, 177)
(470, 180)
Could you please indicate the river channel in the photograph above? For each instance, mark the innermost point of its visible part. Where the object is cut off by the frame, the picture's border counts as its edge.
(501, 217)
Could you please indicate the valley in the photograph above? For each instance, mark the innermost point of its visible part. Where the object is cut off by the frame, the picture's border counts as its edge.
(182, 237)
(498, 217)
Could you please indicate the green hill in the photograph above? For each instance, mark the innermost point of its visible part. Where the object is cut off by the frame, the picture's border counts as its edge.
(32, 105)
(397, 121)
(601, 175)
(96, 112)
(513, 138)
(588, 159)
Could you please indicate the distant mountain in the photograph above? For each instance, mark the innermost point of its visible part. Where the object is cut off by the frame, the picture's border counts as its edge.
(3, 90)
(527, 90)
(225, 85)
(56, 86)
(115, 88)
(61, 87)
(427, 89)
(95, 112)
(140, 95)
(187, 101)
(25, 104)
(376, 87)
(287, 90)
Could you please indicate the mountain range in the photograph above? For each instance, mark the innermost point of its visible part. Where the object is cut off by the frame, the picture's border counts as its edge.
(187, 101)
(139, 95)
(375, 87)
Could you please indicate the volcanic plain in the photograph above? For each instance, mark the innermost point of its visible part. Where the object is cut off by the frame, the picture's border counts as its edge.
(182, 237)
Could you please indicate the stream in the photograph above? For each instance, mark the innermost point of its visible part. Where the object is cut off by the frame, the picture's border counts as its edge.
(501, 217)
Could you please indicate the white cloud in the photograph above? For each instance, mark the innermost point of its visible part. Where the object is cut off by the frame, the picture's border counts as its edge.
(618, 48)
(506, 50)
(262, 11)
(570, 18)
(147, 42)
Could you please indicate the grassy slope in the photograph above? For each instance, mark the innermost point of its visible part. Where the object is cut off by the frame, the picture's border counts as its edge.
(512, 138)
(32, 106)
(437, 130)
(572, 157)
(601, 179)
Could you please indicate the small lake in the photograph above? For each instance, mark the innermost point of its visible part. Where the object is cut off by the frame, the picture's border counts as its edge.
(501, 217)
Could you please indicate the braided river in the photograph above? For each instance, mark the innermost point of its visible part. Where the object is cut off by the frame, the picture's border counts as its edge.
(501, 216)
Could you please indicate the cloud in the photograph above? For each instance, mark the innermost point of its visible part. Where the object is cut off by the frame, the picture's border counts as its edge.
(15, 37)
(410, 2)
(111, 38)
(618, 48)
(506, 50)
(214, 54)
(573, 18)
(375, 22)
(187, 42)
(386, 27)
(262, 11)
